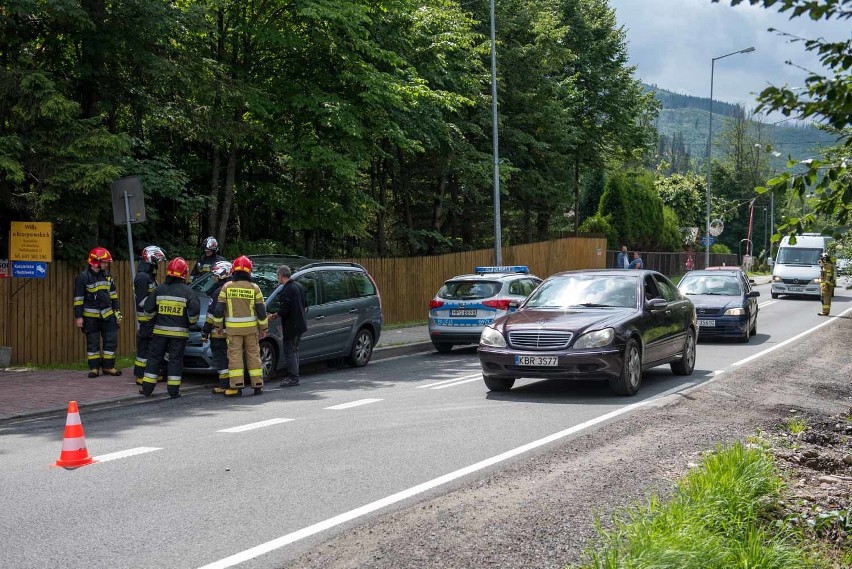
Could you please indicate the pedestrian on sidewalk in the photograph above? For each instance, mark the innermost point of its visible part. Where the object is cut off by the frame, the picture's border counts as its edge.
(622, 260)
(241, 312)
(173, 308)
(218, 341)
(637, 263)
(144, 285)
(96, 312)
(291, 312)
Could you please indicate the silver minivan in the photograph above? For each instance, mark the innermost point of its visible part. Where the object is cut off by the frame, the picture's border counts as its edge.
(344, 313)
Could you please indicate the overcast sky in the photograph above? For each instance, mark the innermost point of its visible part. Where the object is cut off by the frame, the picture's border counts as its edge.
(672, 43)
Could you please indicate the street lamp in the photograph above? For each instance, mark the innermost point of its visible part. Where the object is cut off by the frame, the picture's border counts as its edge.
(498, 246)
(710, 149)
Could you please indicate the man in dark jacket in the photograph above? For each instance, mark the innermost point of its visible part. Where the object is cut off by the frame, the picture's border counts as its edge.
(173, 308)
(143, 285)
(209, 257)
(291, 311)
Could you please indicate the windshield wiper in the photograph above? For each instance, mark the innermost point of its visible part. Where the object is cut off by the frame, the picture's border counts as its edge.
(595, 305)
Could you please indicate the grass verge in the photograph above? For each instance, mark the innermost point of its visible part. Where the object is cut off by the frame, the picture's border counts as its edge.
(121, 362)
(720, 516)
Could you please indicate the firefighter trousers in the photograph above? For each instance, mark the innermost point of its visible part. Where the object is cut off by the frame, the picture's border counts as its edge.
(157, 350)
(826, 291)
(219, 348)
(101, 341)
(248, 344)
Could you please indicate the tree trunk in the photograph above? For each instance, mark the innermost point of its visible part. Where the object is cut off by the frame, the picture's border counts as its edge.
(577, 194)
(213, 203)
(438, 204)
(230, 176)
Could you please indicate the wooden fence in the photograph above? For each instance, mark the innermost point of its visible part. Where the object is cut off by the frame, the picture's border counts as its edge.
(37, 317)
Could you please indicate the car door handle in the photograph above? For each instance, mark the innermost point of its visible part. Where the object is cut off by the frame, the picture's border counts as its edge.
(353, 311)
(320, 317)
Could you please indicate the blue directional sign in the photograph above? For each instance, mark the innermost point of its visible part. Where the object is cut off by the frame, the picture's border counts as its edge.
(28, 269)
(705, 238)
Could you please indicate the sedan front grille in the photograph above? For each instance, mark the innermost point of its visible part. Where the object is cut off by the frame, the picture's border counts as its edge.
(540, 339)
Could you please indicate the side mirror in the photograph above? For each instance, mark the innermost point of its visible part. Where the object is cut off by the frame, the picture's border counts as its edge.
(751, 281)
(656, 304)
(753, 294)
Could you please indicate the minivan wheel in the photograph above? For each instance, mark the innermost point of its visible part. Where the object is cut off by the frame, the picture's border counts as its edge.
(268, 358)
(495, 383)
(362, 349)
(443, 347)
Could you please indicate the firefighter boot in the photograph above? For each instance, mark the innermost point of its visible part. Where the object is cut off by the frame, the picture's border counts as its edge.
(147, 388)
(174, 391)
(139, 381)
(235, 392)
(112, 371)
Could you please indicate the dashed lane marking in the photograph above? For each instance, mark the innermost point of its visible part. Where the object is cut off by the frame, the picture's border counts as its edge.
(478, 378)
(453, 380)
(251, 426)
(124, 453)
(762, 304)
(351, 404)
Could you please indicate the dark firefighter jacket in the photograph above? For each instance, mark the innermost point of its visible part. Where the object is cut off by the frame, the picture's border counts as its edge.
(143, 285)
(172, 308)
(94, 295)
(209, 328)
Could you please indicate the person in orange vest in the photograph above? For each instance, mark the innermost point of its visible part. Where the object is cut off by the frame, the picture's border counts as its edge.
(172, 308)
(96, 312)
(241, 312)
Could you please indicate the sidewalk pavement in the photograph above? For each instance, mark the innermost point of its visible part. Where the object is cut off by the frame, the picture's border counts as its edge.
(28, 392)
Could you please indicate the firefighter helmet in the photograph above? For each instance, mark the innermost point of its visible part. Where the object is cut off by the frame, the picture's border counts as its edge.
(99, 255)
(243, 263)
(222, 269)
(210, 244)
(153, 255)
(824, 258)
(177, 267)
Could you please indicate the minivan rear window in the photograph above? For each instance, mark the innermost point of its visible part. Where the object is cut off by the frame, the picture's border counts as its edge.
(469, 290)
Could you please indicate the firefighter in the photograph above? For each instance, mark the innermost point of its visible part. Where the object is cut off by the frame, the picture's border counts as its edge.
(218, 341)
(827, 282)
(173, 308)
(241, 312)
(209, 257)
(96, 312)
(143, 285)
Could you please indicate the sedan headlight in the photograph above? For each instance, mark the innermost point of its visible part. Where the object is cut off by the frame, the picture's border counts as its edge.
(735, 312)
(493, 338)
(596, 339)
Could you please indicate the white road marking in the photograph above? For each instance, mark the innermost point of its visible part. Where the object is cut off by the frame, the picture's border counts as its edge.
(258, 425)
(316, 528)
(477, 375)
(353, 404)
(828, 322)
(762, 304)
(124, 453)
(478, 378)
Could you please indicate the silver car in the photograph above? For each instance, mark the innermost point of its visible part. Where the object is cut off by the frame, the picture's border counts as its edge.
(468, 303)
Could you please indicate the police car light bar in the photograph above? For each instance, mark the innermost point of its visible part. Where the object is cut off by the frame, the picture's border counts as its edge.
(502, 269)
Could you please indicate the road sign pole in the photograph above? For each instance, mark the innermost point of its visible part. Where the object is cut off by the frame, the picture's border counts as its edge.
(129, 237)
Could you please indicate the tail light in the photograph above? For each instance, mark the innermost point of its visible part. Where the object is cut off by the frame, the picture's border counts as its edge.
(378, 294)
(498, 304)
(435, 304)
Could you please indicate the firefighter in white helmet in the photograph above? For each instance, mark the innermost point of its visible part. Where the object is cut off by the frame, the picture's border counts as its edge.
(218, 340)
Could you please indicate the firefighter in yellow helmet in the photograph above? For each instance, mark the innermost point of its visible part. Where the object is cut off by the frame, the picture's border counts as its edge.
(827, 282)
(241, 312)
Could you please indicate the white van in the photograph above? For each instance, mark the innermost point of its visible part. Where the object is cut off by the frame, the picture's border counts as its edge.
(796, 269)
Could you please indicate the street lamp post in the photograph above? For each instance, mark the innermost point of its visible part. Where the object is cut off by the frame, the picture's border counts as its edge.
(710, 150)
(498, 246)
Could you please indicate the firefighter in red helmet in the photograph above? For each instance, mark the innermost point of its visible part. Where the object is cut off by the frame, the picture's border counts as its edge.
(241, 311)
(172, 308)
(96, 312)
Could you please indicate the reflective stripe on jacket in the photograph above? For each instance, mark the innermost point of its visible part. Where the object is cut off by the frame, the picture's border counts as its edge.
(240, 309)
(173, 308)
(94, 295)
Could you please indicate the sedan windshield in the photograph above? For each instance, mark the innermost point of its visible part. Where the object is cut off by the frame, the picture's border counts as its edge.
(587, 291)
(720, 285)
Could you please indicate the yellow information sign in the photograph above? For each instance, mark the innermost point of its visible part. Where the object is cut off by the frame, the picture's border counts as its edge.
(31, 241)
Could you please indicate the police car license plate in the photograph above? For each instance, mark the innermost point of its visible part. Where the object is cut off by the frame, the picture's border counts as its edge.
(542, 361)
(707, 323)
(795, 288)
(463, 312)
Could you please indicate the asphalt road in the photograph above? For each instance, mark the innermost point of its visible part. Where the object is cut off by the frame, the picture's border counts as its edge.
(257, 481)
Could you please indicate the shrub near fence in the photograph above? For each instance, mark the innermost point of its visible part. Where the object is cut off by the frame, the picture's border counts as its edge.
(37, 315)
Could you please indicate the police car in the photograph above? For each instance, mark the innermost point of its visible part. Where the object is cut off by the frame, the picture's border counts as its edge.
(468, 303)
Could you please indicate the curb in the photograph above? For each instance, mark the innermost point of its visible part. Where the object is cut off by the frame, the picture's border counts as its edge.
(401, 350)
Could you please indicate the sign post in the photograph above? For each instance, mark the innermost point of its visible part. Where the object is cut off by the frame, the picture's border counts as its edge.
(128, 206)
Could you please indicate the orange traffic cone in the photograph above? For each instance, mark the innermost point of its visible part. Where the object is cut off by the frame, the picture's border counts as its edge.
(74, 452)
